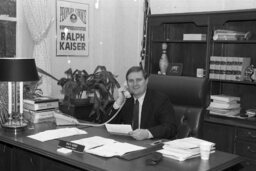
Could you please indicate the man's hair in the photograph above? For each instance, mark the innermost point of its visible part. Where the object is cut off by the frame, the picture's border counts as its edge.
(136, 69)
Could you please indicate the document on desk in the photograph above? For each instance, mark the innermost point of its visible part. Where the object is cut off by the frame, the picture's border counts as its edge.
(93, 142)
(56, 133)
(119, 129)
(106, 147)
(114, 149)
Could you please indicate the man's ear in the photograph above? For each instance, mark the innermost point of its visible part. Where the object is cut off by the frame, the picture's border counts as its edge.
(147, 80)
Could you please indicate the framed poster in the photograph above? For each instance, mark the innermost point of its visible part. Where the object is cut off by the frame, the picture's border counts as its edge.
(72, 26)
(174, 69)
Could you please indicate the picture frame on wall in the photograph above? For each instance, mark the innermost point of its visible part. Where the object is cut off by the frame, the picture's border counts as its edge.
(174, 69)
(72, 28)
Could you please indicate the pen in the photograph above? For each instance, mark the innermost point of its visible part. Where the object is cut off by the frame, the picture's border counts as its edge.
(96, 147)
(156, 142)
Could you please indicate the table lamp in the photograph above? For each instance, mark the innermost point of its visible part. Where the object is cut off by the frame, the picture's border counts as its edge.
(13, 70)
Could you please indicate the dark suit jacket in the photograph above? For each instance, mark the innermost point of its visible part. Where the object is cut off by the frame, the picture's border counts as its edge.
(157, 115)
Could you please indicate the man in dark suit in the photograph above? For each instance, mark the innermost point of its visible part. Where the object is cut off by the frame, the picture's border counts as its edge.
(155, 118)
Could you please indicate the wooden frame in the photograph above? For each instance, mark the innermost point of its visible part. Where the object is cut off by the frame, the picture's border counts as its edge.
(174, 69)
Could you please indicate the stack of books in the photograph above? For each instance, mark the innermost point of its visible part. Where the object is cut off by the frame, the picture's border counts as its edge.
(183, 149)
(224, 105)
(250, 113)
(230, 35)
(228, 68)
(40, 109)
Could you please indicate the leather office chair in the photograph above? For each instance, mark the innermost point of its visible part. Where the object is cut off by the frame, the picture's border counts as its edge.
(189, 98)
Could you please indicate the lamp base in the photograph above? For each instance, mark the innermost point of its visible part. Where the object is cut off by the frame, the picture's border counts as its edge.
(14, 126)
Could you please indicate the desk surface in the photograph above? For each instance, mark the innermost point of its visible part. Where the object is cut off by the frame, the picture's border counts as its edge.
(218, 160)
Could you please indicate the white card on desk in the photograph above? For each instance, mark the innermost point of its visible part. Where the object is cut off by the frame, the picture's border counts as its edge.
(119, 129)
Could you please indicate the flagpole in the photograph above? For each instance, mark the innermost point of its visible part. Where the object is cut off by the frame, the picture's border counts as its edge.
(144, 37)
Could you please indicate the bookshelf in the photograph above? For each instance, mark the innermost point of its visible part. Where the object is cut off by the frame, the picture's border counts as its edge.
(240, 134)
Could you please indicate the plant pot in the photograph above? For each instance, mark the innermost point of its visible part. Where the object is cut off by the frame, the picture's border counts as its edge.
(79, 109)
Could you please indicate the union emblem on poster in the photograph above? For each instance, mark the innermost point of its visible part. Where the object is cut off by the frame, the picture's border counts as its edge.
(72, 28)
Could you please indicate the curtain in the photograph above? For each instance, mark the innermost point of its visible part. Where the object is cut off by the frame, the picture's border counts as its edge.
(39, 22)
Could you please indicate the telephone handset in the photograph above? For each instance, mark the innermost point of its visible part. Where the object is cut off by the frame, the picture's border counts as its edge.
(125, 90)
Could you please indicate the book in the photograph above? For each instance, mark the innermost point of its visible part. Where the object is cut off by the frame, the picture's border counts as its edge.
(43, 99)
(212, 67)
(39, 116)
(229, 68)
(194, 36)
(223, 67)
(230, 35)
(41, 106)
(242, 64)
(230, 112)
(223, 102)
(224, 105)
(225, 98)
(217, 67)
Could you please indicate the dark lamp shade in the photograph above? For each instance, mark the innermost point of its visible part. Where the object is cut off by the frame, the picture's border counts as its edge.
(18, 69)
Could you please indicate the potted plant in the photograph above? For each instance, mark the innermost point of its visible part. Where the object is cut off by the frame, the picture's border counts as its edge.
(101, 84)
(31, 90)
(73, 86)
(99, 89)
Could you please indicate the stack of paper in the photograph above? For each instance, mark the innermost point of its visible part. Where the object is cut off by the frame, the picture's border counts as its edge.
(182, 149)
(114, 149)
(106, 147)
(224, 105)
(93, 142)
(56, 133)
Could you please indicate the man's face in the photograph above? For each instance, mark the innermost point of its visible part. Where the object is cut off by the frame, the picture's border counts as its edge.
(137, 84)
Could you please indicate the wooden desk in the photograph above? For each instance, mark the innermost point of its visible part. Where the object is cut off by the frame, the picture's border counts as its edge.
(19, 152)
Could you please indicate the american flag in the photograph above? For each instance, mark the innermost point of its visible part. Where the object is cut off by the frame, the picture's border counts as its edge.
(147, 12)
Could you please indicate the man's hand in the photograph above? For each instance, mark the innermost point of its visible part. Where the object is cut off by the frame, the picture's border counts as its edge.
(139, 134)
(121, 97)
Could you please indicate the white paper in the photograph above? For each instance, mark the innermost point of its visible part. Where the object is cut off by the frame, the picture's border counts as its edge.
(121, 129)
(93, 142)
(56, 133)
(186, 143)
(106, 147)
(114, 149)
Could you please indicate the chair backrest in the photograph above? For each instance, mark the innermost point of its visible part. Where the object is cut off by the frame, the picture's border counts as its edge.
(189, 98)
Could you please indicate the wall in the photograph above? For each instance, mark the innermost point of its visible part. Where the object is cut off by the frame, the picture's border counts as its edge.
(115, 32)
(114, 39)
(179, 6)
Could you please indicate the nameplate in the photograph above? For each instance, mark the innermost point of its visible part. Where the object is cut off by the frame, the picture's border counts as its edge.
(72, 146)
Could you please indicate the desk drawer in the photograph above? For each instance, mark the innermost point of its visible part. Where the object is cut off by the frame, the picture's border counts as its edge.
(248, 165)
(246, 149)
(248, 134)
